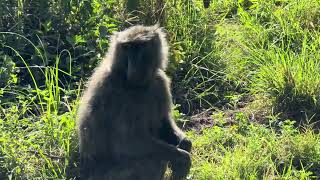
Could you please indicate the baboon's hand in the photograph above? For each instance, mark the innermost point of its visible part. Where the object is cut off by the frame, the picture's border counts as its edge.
(185, 144)
(181, 165)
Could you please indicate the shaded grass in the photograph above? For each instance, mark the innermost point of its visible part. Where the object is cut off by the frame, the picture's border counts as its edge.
(196, 70)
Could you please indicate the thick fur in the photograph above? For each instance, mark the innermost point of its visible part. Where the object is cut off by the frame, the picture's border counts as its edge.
(125, 126)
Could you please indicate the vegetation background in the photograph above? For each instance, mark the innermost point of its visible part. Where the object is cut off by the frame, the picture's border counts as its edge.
(246, 82)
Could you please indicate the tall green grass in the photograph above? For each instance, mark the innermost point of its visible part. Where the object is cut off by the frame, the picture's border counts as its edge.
(271, 50)
(37, 129)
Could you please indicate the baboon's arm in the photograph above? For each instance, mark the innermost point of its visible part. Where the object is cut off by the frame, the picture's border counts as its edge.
(170, 133)
(146, 146)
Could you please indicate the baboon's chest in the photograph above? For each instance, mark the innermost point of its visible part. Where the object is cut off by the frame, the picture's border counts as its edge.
(149, 111)
(144, 112)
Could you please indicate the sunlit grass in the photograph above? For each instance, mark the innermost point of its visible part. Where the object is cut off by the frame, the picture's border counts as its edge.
(272, 50)
(255, 152)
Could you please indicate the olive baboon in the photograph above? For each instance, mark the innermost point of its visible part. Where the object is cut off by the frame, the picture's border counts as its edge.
(124, 121)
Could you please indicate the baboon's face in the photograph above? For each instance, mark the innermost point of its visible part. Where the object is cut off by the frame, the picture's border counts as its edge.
(142, 61)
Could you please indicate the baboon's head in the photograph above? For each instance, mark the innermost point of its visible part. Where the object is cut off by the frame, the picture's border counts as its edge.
(140, 52)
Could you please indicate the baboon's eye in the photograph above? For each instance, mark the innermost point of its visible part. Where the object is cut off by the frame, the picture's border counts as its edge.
(140, 44)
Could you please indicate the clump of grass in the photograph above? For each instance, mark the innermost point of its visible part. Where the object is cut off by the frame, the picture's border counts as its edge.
(254, 151)
(292, 80)
(38, 138)
(270, 50)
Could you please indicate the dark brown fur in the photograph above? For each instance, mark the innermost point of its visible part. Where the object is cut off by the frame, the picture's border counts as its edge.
(124, 121)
